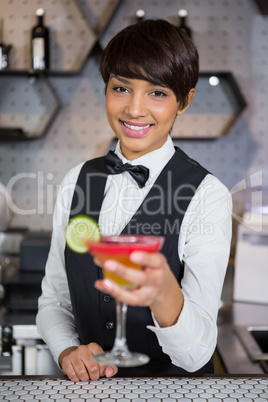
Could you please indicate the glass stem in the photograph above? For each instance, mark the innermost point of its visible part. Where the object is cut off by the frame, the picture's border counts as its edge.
(121, 316)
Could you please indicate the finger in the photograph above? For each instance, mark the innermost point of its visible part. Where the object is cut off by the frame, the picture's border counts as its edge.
(106, 286)
(104, 370)
(82, 364)
(123, 295)
(94, 372)
(71, 374)
(68, 366)
(154, 260)
(110, 371)
(77, 371)
(98, 262)
(154, 265)
(132, 275)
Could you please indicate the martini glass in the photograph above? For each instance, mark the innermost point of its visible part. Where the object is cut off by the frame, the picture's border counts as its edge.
(119, 248)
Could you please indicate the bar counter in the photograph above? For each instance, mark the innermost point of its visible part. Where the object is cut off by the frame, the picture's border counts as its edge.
(154, 389)
(233, 354)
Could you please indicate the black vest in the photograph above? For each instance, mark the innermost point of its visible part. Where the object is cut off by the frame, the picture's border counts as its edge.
(161, 213)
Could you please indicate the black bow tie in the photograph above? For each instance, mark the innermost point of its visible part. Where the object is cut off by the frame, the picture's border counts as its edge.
(114, 165)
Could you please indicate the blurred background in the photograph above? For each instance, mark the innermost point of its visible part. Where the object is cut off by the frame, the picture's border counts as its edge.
(54, 119)
(70, 122)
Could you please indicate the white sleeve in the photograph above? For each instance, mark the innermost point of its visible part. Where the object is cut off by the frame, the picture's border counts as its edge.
(204, 247)
(55, 320)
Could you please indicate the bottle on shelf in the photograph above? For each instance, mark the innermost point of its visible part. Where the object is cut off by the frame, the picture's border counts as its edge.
(4, 49)
(182, 14)
(140, 14)
(40, 43)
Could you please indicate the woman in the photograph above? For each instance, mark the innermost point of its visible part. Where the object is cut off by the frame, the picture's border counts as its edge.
(150, 70)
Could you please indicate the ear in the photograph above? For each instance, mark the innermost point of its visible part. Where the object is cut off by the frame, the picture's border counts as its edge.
(190, 97)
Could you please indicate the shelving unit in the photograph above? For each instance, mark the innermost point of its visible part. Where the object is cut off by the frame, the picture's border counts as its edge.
(28, 103)
(217, 106)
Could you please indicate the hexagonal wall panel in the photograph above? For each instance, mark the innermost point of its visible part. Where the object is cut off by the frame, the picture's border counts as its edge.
(71, 37)
(99, 13)
(27, 106)
(217, 105)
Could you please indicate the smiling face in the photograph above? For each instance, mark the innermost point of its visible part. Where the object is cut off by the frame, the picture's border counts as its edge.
(141, 114)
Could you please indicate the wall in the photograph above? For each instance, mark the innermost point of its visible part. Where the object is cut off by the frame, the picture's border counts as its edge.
(230, 36)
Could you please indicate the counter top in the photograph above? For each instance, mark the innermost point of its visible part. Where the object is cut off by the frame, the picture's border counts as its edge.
(229, 347)
(231, 350)
(194, 388)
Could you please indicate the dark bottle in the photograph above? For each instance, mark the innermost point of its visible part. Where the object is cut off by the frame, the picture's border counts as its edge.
(4, 50)
(40, 43)
(183, 22)
(140, 14)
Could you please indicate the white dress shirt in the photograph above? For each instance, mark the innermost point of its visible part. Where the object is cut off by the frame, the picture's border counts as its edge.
(203, 245)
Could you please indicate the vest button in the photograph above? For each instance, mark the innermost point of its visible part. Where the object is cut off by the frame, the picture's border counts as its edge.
(106, 298)
(109, 325)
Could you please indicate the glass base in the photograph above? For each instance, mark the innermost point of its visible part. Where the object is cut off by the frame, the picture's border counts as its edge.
(121, 359)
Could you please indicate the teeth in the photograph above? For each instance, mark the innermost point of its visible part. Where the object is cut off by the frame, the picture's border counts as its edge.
(137, 128)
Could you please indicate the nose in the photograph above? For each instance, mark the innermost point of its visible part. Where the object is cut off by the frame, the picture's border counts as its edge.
(136, 106)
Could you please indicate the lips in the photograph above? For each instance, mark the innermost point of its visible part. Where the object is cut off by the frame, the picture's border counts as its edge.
(136, 130)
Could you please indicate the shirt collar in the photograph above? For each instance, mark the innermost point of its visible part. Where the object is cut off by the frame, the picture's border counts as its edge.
(154, 161)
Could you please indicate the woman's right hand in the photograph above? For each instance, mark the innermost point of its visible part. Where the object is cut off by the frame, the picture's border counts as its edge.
(78, 365)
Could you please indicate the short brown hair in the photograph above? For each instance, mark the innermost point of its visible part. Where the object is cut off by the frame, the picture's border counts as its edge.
(155, 51)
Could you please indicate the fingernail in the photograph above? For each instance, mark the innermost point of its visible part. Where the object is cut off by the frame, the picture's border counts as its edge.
(110, 266)
(107, 284)
(136, 256)
(109, 371)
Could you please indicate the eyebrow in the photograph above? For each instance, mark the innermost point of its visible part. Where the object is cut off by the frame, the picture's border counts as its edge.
(126, 81)
(121, 79)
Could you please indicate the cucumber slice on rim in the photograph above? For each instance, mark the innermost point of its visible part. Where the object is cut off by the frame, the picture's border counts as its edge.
(80, 229)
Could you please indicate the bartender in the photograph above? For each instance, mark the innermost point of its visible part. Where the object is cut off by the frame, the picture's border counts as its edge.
(173, 312)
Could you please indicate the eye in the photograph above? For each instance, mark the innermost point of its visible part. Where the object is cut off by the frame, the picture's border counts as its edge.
(159, 94)
(119, 89)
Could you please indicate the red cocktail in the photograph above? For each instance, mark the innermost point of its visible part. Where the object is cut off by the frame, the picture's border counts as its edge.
(119, 248)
